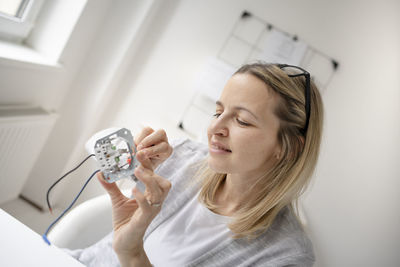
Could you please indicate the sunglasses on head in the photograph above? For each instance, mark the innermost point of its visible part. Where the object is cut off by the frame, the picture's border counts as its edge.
(306, 74)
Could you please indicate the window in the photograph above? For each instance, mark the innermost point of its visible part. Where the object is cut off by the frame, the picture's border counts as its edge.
(17, 18)
(14, 9)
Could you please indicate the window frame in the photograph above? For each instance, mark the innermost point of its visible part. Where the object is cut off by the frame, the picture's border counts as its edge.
(17, 29)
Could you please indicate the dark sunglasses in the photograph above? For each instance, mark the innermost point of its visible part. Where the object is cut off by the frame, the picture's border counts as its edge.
(306, 74)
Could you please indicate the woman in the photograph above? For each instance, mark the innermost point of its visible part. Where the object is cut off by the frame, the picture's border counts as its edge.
(237, 210)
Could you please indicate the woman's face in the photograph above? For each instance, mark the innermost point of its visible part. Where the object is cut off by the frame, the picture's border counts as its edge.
(242, 137)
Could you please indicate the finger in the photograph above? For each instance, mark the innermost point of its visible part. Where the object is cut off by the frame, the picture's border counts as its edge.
(160, 150)
(152, 139)
(164, 184)
(112, 189)
(141, 200)
(153, 190)
(144, 160)
(142, 134)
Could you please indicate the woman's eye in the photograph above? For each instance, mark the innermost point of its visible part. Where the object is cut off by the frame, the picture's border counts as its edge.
(242, 122)
(216, 115)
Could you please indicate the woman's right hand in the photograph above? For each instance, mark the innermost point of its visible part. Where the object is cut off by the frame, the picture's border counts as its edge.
(131, 217)
(154, 145)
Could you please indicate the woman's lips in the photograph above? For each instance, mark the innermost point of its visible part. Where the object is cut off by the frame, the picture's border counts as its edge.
(218, 148)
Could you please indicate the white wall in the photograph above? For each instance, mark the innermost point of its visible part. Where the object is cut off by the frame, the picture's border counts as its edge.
(353, 206)
(48, 86)
(88, 94)
(143, 71)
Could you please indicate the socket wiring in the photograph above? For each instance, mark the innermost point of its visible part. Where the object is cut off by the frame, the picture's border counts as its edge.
(61, 178)
(72, 203)
(67, 209)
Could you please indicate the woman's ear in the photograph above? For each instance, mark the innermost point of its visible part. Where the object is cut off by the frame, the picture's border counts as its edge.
(298, 147)
(278, 153)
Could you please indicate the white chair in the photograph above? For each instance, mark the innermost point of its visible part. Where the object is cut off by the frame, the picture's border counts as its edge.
(84, 225)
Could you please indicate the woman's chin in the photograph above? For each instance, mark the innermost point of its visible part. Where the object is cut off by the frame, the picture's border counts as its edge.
(217, 167)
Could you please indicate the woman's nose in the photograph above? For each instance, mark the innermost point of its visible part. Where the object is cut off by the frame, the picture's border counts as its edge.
(219, 127)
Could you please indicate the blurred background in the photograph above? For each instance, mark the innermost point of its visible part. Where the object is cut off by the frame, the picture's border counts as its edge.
(78, 67)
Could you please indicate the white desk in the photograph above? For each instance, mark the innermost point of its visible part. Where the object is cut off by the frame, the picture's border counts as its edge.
(20, 246)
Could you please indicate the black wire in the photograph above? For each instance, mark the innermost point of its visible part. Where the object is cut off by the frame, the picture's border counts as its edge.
(44, 236)
(62, 177)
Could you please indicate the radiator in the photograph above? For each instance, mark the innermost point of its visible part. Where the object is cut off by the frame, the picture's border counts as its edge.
(23, 133)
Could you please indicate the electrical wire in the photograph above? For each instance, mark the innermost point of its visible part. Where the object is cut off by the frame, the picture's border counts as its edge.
(67, 209)
(62, 177)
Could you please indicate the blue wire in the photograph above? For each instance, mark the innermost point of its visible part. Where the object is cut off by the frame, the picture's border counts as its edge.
(67, 209)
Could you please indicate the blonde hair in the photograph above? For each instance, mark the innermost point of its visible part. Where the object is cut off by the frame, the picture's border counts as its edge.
(287, 180)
